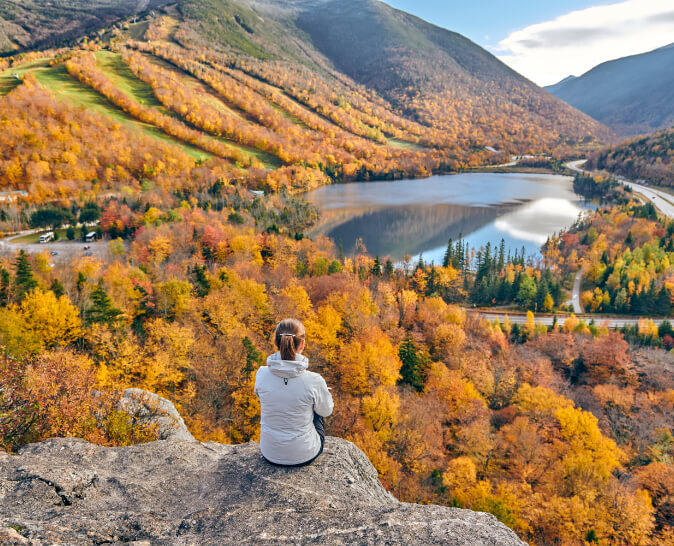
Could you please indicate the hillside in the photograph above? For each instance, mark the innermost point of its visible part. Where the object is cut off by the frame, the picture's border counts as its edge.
(648, 158)
(631, 95)
(398, 81)
(27, 24)
(440, 78)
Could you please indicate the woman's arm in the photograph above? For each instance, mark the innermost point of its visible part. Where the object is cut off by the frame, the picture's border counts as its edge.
(323, 404)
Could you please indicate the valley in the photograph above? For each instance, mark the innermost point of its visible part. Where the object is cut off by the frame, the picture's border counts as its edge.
(350, 165)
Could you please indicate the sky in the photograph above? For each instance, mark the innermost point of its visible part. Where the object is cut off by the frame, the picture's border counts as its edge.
(547, 41)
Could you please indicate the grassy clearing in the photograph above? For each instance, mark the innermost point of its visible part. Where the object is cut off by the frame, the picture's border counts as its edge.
(7, 80)
(124, 79)
(404, 145)
(136, 31)
(34, 238)
(205, 93)
(68, 89)
(288, 115)
(208, 97)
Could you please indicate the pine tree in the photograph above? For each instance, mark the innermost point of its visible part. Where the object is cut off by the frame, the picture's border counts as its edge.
(202, 285)
(388, 269)
(253, 358)
(23, 275)
(340, 249)
(101, 309)
(376, 267)
(81, 281)
(5, 286)
(501, 256)
(448, 259)
(413, 370)
(57, 288)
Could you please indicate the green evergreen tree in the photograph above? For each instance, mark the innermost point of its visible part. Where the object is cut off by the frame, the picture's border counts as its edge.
(101, 309)
(24, 281)
(388, 269)
(449, 254)
(5, 286)
(254, 358)
(501, 256)
(376, 267)
(57, 288)
(81, 281)
(202, 285)
(413, 370)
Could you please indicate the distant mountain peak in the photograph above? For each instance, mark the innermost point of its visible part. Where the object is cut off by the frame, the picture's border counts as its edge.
(632, 95)
(567, 79)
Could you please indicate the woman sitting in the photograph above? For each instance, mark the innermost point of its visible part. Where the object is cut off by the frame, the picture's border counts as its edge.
(293, 401)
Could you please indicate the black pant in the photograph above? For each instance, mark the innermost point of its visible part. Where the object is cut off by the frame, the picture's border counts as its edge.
(319, 425)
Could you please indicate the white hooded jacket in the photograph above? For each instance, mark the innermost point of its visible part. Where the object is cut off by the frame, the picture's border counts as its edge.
(289, 395)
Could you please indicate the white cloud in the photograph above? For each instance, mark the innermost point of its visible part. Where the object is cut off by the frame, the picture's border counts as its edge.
(574, 43)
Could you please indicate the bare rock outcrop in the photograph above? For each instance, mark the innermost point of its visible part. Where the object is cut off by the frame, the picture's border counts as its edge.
(177, 491)
(149, 408)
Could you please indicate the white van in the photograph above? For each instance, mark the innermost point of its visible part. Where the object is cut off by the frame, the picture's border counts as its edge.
(46, 237)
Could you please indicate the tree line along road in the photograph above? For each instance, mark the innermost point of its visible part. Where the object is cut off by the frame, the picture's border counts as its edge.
(661, 200)
(548, 320)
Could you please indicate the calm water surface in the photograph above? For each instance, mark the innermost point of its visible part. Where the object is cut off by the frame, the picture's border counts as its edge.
(419, 216)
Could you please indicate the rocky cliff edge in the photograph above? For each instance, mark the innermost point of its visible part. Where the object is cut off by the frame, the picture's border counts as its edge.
(175, 491)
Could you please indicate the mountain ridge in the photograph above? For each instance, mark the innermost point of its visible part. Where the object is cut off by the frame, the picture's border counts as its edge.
(631, 94)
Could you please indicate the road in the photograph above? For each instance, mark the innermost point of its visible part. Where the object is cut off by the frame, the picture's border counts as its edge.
(547, 320)
(660, 199)
(512, 163)
(575, 297)
(663, 201)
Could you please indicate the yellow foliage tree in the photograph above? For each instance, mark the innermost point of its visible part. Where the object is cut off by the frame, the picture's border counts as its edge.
(41, 321)
(380, 409)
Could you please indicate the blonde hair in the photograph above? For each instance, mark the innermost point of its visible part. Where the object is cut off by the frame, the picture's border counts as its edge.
(288, 337)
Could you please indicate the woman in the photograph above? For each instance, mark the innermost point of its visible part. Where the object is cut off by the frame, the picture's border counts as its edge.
(293, 401)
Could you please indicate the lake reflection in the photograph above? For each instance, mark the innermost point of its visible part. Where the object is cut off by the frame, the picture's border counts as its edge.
(419, 216)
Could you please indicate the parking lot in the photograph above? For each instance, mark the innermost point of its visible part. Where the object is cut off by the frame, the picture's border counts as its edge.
(65, 250)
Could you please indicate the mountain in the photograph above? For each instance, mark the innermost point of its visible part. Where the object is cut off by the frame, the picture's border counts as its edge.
(561, 83)
(456, 94)
(28, 24)
(632, 95)
(434, 76)
(647, 157)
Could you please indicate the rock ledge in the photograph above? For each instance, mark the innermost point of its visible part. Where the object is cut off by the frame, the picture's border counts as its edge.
(180, 492)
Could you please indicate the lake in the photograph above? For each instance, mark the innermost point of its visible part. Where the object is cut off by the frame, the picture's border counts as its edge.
(418, 217)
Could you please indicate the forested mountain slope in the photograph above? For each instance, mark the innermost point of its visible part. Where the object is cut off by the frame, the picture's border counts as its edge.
(33, 23)
(365, 56)
(631, 95)
(648, 157)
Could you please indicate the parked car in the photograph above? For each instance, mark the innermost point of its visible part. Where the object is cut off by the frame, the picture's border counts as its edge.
(54, 253)
(89, 253)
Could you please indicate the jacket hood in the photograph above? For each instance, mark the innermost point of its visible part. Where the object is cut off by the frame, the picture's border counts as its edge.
(287, 368)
